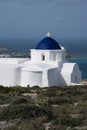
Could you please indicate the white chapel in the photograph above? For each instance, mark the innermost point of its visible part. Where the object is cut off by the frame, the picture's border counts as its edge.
(47, 67)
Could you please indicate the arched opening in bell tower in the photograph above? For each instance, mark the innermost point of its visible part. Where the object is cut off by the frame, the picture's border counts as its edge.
(43, 57)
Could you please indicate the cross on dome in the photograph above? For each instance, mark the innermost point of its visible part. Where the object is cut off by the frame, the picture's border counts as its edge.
(48, 34)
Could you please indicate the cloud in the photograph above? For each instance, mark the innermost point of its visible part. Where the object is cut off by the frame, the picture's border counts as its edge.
(25, 1)
(58, 19)
(41, 2)
(74, 2)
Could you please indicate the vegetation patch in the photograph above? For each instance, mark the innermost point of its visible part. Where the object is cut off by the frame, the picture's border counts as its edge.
(61, 107)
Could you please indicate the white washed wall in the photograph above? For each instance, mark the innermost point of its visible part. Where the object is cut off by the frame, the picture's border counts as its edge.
(9, 75)
(31, 78)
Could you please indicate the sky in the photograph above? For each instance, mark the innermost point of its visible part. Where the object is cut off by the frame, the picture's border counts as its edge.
(30, 20)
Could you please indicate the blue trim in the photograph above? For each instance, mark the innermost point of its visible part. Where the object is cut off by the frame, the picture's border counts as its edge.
(48, 44)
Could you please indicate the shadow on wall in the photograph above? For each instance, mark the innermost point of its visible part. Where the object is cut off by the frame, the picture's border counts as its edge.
(55, 78)
(61, 80)
(76, 74)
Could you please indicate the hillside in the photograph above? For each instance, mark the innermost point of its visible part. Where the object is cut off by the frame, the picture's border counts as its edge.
(53, 108)
(3, 49)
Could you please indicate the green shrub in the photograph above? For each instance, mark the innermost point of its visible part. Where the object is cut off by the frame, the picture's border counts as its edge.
(74, 91)
(47, 92)
(59, 100)
(24, 111)
(31, 125)
(20, 101)
(19, 89)
(6, 98)
(42, 119)
(10, 127)
(57, 127)
(15, 89)
(66, 120)
(35, 87)
(3, 89)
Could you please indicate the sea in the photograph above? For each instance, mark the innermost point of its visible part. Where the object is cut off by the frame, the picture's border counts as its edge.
(79, 52)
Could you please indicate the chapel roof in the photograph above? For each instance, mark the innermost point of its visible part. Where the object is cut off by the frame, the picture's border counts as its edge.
(48, 43)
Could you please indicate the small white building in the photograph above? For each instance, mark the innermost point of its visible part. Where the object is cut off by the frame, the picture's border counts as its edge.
(47, 67)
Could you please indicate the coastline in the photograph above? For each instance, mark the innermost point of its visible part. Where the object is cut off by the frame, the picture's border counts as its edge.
(84, 82)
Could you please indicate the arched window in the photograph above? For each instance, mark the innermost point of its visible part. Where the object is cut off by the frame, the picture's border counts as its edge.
(43, 57)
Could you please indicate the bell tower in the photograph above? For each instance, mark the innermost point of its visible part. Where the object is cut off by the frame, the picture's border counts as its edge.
(48, 50)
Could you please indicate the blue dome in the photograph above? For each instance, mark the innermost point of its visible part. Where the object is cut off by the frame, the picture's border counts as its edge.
(48, 44)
